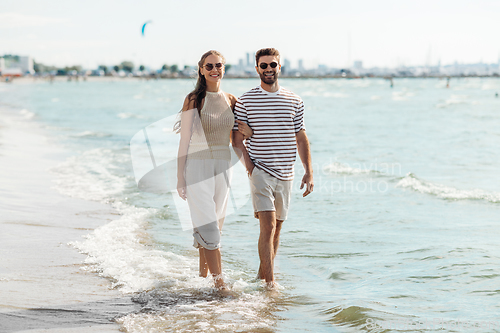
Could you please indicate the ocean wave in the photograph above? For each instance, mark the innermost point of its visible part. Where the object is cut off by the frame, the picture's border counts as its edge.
(90, 134)
(453, 100)
(401, 95)
(27, 114)
(167, 285)
(442, 191)
(341, 168)
(95, 175)
(352, 316)
(489, 86)
(202, 313)
(121, 251)
(128, 115)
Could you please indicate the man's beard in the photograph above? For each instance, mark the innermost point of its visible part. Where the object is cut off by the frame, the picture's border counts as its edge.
(269, 79)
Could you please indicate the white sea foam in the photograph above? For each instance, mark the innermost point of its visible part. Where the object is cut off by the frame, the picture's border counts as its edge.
(92, 175)
(122, 252)
(89, 134)
(167, 285)
(442, 191)
(489, 86)
(247, 313)
(127, 115)
(453, 100)
(341, 168)
(27, 114)
(402, 95)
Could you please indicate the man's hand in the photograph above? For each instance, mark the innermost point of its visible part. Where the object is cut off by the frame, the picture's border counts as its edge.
(305, 157)
(308, 181)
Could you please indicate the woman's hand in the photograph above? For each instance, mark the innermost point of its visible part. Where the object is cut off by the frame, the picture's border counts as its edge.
(181, 188)
(244, 129)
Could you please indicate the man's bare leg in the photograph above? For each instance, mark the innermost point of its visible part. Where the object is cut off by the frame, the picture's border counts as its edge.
(266, 246)
(203, 263)
(276, 243)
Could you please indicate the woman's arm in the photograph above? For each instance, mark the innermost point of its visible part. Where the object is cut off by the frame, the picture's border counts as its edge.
(187, 118)
(243, 127)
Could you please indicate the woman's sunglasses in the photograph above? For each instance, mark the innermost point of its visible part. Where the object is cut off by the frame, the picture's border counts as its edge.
(263, 65)
(209, 67)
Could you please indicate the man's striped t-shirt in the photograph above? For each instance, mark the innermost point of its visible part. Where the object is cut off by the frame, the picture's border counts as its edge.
(275, 118)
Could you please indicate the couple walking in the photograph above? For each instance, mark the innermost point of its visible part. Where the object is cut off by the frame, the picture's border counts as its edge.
(266, 127)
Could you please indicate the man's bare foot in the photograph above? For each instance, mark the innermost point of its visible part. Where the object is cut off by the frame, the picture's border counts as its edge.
(271, 285)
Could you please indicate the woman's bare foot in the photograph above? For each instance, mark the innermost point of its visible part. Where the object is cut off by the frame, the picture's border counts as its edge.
(219, 282)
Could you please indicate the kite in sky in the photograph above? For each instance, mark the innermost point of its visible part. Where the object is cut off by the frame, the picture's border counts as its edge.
(144, 26)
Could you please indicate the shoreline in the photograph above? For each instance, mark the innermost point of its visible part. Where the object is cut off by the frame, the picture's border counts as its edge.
(42, 283)
(26, 79)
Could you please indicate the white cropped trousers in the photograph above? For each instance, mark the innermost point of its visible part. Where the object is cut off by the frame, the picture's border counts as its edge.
(207, 190)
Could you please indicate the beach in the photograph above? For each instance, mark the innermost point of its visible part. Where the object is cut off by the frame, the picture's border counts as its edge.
(42, 282)
(400, 233)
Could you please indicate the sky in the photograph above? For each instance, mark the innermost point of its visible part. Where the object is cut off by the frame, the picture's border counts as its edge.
(381, 33)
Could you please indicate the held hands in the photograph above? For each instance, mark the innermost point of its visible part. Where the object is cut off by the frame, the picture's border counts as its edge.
(249, 172)
(308, 181)
(244, 129)
(181, 188)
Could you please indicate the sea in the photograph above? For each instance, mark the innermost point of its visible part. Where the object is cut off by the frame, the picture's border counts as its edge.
(400, 234)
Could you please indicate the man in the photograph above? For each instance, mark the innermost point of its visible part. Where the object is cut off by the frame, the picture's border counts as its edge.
(276, 116)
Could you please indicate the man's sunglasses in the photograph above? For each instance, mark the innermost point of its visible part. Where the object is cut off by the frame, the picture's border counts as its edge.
(209, 67)
(263, 65)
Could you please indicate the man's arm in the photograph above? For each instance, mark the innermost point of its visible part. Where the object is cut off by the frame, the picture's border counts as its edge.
(305, 157)
(241, 151)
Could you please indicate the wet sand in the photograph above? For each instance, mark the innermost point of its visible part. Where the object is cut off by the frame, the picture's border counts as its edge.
(43, 287)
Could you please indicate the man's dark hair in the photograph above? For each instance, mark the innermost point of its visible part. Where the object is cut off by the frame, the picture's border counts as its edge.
(270, 51)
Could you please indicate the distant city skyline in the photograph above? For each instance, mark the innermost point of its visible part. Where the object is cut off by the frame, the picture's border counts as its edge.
(379, 34)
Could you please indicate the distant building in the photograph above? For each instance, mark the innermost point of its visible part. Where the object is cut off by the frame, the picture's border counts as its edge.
(358, 64)
(248, 60)
(301, 64)
(322, 69)
(26, 65)
(286, 67)
(16, 64)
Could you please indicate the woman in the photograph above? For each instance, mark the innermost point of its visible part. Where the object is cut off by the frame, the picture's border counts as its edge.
(203, 171)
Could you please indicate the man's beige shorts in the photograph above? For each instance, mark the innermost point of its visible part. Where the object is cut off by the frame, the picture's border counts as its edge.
(270, 194)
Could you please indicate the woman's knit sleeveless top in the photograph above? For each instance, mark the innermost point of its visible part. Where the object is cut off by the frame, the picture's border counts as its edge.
(217, 121)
